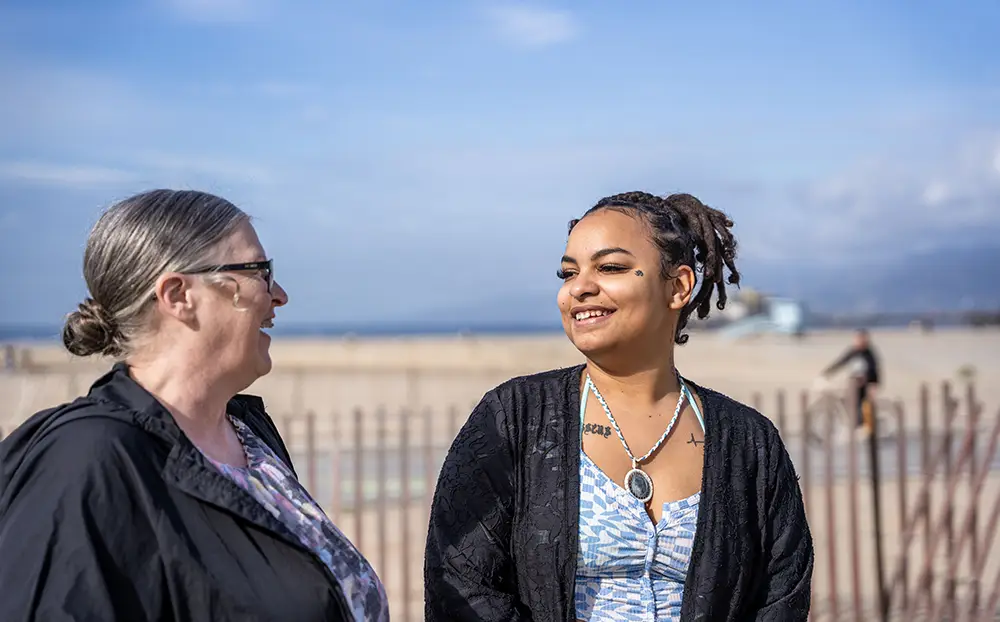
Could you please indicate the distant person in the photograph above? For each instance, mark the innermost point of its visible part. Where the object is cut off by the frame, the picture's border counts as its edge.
(9, 358)
(863, 369)
(164, 494)
(619, 489)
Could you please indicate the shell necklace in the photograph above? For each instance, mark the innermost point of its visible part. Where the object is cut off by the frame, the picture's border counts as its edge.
(637, 481)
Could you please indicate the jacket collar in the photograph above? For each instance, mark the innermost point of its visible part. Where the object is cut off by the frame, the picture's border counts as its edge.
(185, 467)
(118, 387)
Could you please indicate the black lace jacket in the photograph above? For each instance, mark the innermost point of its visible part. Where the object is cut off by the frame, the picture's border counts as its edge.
(502, 540)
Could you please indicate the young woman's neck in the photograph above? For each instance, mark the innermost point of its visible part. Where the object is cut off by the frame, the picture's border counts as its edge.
(646, 384)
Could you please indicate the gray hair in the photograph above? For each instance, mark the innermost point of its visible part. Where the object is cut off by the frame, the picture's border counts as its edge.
(134, 242)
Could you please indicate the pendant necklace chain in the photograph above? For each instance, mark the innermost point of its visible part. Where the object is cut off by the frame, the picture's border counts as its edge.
(637, 481)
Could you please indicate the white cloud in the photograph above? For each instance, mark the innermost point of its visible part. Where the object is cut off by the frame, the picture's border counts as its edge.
(936, 193)
(217, 11)
(885, 206)
(533, 27)
(64, 174)
(162, 169)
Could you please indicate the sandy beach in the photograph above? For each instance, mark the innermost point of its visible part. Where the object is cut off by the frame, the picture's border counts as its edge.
(340, 375)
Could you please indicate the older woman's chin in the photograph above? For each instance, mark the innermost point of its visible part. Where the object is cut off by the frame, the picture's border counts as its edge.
(256, 361)
(264, 363)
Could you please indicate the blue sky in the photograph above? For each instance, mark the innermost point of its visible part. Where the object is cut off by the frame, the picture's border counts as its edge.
(405, 157)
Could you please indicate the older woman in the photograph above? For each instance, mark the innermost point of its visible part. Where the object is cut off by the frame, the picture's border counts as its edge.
(619, 490)
(164, 494)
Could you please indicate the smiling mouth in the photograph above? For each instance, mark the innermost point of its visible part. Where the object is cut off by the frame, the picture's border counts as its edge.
(592, 316)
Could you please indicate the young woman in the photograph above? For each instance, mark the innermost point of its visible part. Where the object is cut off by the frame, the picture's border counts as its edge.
(619, 489)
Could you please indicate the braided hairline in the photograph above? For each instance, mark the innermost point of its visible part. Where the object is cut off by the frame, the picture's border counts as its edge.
(714, 244)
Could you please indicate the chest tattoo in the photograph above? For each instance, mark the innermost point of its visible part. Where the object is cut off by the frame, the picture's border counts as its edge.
(597, 429)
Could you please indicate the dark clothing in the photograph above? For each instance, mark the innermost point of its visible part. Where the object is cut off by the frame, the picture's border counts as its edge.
(109, 512)
(865, 364)
(864, 372)
(502, 540)
(860, 396)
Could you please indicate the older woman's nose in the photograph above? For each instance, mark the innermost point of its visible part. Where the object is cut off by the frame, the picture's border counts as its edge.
(278, 295)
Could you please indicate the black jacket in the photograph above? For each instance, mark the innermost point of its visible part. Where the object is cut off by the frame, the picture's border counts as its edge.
(502, 540)
(867, 364)
(108, 512)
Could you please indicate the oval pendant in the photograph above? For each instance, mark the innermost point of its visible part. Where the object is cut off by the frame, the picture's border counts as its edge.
(639, 484)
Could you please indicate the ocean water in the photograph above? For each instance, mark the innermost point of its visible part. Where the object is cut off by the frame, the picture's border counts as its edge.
(23, 333)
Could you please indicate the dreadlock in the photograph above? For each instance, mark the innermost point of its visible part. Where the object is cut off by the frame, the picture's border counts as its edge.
(688, 233)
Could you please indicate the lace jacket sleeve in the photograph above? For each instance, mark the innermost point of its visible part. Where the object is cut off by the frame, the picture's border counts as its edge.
(468, 571)
(786, 591)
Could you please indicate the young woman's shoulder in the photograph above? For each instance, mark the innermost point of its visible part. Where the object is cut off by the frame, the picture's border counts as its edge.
(723, 412)
(525, 399)
(553, 381)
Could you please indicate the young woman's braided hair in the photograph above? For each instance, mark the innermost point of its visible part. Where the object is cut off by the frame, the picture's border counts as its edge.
(688, 233)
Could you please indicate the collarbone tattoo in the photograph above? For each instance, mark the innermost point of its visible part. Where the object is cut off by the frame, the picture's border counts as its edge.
(597, 429)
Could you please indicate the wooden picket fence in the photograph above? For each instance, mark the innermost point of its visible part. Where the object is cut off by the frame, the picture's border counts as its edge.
(903, 512)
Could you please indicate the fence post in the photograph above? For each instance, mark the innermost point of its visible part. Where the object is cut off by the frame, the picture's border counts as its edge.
(952, 486)
(453, 423)
(989, 535)
(73, 386)
(383, 505)
(831, 514)
(336, 469)
(806, 477)
(781, 412)
(404, 476)
(412, 387)
(298, 393)
(970, 396)
(359, 482)
(903, 468)
(852, 500)
(928, 481)
(806, 435)
(428, 457)
(311, 451)
(873, 467)
(949, 405)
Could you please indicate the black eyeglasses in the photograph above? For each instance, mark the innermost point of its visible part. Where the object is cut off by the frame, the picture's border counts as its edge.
(266, 267)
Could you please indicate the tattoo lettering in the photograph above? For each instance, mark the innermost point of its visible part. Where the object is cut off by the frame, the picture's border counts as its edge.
(598, 429)
(638, 272)
(694, 441)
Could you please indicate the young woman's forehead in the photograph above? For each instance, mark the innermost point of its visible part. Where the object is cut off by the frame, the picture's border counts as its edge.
(609, 228)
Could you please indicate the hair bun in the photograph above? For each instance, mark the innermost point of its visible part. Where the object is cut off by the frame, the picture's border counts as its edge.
(91, 330)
